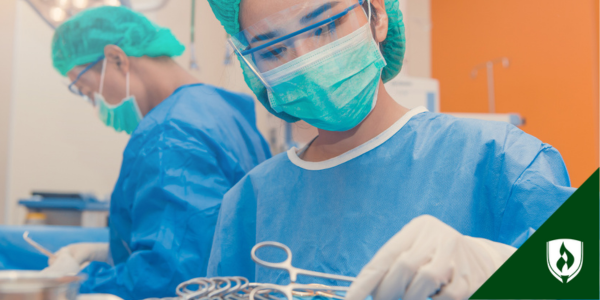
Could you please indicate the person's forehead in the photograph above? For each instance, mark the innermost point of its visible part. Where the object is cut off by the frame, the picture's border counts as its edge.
(253, 11)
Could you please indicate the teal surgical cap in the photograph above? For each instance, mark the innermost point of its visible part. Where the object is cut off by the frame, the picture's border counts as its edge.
(81, 39)
(393, 48)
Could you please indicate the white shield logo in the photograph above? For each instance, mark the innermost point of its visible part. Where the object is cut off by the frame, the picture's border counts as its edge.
(564, 258)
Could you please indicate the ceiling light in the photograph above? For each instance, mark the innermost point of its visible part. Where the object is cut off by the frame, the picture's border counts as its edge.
(80, 4)
(57, 14)
(63, 3)
(112, 2)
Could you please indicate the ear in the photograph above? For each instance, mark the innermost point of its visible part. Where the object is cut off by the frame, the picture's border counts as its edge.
(380, 28)
(114, 54)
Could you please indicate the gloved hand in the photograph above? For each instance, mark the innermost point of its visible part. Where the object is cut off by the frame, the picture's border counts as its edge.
(72, 258)
(83, 252)
(428, 258)
(62, 264)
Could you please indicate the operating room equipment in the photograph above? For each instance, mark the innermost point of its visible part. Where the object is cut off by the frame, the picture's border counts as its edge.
(55, 13)
(293, 272)
(489, 66)
(239, 288)
(412, 92)
(72, 209)
(145, 6)
(193, 60)
(37, 246)
(27, 285)
(512, 118)
(229, 52)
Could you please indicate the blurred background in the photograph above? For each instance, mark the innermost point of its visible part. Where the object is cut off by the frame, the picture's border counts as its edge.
(531, 63)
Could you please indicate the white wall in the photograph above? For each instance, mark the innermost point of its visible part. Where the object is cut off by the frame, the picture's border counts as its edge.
(7, 35)
(417, 20)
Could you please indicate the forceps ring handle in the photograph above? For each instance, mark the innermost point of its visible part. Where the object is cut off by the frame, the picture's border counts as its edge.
(284, 265)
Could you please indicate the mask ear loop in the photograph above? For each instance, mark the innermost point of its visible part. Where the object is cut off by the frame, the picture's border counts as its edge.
(102, 76)
(127, 85)
(369, 20)
(368, 12)
(101, 82)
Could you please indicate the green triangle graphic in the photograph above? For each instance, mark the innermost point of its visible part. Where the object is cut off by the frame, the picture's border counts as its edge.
(527, 275)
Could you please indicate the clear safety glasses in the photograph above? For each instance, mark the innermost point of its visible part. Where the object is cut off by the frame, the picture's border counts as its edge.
(295, 32)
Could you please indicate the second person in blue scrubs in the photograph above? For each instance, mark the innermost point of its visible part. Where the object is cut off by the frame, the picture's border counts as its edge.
(190, 143)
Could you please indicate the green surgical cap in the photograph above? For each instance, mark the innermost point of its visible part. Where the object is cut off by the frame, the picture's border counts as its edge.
(81, 39)
(393, 48)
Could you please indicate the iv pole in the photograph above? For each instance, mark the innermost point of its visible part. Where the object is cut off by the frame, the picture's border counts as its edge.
(489, 66)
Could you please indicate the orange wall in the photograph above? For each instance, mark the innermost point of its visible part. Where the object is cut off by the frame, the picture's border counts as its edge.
(553, 77)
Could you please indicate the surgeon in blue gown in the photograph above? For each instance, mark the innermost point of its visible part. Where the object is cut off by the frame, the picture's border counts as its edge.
(415, 204)
(190, 143)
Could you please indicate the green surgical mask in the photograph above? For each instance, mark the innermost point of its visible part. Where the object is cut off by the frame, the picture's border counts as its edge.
(124, 116)
(334, 87)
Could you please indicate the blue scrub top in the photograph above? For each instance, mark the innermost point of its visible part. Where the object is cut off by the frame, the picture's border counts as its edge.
(181, 159)
(485, 179)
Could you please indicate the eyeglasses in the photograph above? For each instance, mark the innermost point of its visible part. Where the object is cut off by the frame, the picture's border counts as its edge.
(303, 30)
(296, 31)
(72, 87)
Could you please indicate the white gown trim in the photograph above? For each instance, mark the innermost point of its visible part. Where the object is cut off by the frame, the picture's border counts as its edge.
(293, 153)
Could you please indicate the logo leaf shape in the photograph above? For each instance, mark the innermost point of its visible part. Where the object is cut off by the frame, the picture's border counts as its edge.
(570, 259)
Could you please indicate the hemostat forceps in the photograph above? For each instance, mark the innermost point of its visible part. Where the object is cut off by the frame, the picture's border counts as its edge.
(286, 265)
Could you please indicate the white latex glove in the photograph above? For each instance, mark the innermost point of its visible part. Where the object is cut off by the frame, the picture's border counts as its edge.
(428, 258)
(83, 252)
(63, 264)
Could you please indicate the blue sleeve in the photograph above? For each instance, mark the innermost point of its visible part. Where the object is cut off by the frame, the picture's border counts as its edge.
(235, 234)
(177, 189)
(535, 195)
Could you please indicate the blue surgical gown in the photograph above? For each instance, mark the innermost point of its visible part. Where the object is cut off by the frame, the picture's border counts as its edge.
(179, 162)
(485, 179)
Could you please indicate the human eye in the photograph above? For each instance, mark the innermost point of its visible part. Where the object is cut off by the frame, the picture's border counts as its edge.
(273, 53)
(325, 29)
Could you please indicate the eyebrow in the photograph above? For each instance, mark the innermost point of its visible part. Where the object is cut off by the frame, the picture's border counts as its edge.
(319, 11)
(264, 36)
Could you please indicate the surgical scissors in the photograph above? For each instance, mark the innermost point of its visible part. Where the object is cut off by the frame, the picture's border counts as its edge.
(286, 265)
